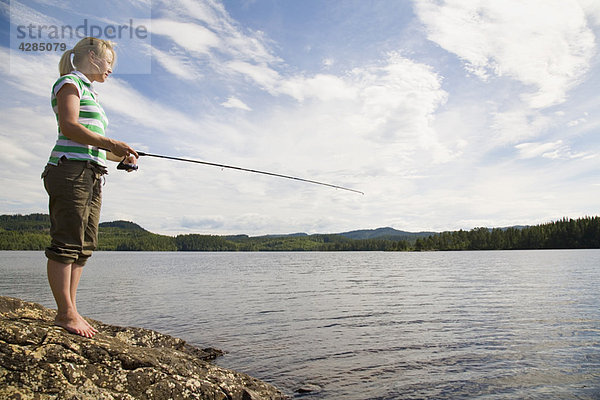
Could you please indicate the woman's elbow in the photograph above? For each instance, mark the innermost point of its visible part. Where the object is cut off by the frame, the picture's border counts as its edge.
(69, 129)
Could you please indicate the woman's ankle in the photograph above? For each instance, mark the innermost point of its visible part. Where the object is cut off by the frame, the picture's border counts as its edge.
(65, 315)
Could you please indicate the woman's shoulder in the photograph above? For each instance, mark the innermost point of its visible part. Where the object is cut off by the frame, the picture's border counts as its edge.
(70, 78)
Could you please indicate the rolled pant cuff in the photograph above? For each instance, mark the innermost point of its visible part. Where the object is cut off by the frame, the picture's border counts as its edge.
(66, 258)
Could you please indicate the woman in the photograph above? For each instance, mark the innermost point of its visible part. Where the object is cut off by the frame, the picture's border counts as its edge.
(74, 172)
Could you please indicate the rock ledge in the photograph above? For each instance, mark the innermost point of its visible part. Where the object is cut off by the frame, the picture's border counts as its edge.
(41, 361)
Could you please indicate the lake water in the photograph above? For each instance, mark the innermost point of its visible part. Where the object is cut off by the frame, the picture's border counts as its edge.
(360, 325)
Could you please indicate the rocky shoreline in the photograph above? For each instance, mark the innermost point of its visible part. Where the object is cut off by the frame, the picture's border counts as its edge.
(41, 361)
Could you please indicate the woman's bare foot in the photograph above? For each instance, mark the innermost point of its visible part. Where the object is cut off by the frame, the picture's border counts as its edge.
(88, 324)
(75, 324)
(84, 321)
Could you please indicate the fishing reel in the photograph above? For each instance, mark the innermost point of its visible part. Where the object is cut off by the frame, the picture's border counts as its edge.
(127, 167)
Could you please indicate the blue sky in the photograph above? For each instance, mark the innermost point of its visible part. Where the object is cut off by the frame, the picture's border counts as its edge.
(447, 114)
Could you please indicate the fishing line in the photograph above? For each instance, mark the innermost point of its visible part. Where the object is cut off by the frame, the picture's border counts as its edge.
(255, 171)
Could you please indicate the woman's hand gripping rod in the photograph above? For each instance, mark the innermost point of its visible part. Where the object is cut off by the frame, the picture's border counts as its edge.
(130, 167)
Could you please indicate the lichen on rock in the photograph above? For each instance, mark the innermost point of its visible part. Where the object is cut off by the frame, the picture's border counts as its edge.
(39, 360)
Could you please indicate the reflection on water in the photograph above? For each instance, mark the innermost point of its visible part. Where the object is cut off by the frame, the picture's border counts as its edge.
(517, 324)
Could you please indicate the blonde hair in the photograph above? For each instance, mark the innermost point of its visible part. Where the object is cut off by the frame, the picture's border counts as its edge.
(81, 51)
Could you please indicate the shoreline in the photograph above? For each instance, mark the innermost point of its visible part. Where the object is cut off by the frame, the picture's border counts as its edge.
(38, 357)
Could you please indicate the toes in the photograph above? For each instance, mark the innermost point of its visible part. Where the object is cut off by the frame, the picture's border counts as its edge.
(78, 328)
(88, 325)
(91, 327)
(88, 333)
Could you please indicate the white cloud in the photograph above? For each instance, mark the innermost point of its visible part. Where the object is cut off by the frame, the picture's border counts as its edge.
(26, 138)
(207, 27)
(592, 8)
(234, 102)
(29, 71)
(209, 11)
(328, 62)
(262, 75)
(398, 103)
(321, 86)
(578, 121)
(550, 150)
(516, 125)
(531, 150)
(177, 64)
(544, 44)
(192, 37)
(118, 96)
(21, 14)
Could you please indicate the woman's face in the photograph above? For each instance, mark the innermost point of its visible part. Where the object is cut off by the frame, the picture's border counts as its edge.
(102, 66)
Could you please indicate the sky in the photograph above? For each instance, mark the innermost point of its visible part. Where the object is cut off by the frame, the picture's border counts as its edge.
(447, 114)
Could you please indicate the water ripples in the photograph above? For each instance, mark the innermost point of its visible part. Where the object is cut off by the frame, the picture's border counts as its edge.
(353, 326)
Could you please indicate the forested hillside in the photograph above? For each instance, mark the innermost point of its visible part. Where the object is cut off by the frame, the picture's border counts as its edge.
(30, 232)
(582, 233)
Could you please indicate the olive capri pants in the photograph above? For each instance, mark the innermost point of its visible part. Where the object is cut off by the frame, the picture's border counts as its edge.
(75, 191)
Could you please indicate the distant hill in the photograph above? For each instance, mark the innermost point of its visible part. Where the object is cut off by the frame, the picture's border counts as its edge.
(513, 227)
(384, 233)
(122, 225)
(284, 235)
(363, 234)
(244, 237)
(41, 222)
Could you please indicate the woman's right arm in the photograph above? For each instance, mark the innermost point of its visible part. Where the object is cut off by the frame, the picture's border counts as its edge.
(68, 114)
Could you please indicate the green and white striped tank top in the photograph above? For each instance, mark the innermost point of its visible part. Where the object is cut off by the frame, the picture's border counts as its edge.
(91, 116)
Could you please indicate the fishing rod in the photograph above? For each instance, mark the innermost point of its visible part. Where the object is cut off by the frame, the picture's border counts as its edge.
(125, 166)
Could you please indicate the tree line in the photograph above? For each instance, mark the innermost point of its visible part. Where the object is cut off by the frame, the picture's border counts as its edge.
(582, 233)
(31, 232)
